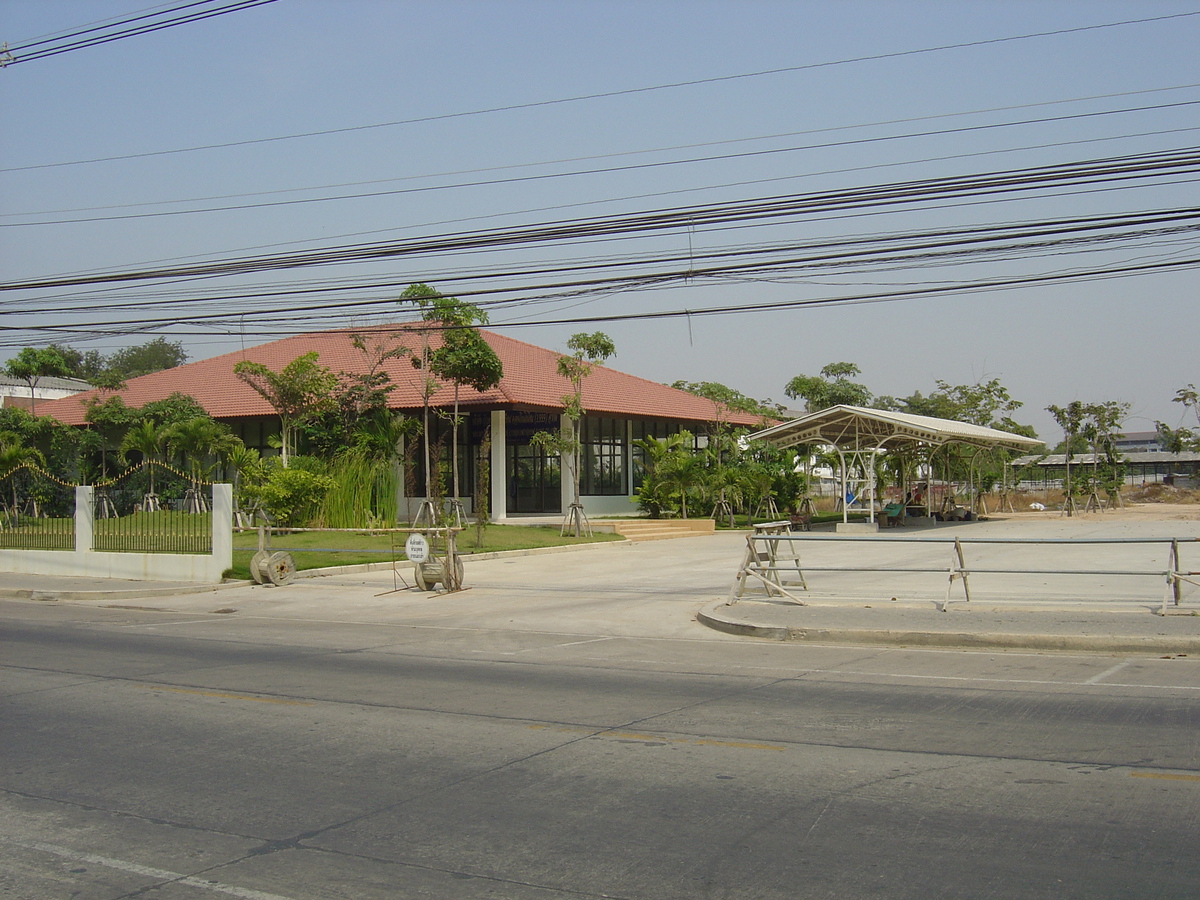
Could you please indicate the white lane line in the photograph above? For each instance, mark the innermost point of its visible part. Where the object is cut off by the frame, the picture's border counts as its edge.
(153, 625)
(546, 647)
(574, 643)
(147, 871)
(982, 680)
(1095, 679)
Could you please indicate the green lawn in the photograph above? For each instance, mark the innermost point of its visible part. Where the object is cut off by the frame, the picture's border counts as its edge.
(37, 534)
(316, 550)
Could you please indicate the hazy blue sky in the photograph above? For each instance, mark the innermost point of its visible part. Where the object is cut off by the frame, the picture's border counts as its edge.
(485, 158)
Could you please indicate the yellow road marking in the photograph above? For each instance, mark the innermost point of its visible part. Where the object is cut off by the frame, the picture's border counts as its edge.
(155, 687)
(658, 739)
(1164, 776)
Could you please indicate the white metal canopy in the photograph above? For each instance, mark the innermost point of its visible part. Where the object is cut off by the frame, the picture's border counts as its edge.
(860, 432)
(859, 428)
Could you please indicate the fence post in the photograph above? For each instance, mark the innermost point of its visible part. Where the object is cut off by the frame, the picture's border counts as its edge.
(85, 502)
(222, 527)
(958, 570)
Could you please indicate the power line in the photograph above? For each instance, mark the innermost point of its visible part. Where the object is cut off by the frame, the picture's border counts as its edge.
(120, 329)
(79, 40)
(693, 190)
(941, 247)
(587, 172)
(609, 94)
(691, 146)
(833, 251)
(1086, 172)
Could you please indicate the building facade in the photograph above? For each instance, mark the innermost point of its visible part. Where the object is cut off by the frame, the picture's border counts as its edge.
(525, 480)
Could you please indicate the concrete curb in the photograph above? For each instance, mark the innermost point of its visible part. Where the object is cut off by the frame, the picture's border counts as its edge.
(360, 568)
(128, 594)
(718, 615)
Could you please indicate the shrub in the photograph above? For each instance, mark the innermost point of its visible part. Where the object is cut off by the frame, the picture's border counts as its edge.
(292, 496)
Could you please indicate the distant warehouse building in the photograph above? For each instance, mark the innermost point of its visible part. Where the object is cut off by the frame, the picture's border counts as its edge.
(16, 392)
(1144, 467)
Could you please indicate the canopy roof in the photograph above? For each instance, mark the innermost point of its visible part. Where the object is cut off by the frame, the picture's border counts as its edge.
(859, 428)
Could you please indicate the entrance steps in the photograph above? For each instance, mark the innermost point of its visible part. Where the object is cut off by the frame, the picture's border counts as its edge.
(655, 529)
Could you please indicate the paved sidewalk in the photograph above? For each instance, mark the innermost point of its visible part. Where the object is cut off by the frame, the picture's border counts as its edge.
(64, 587)
(1085, 627)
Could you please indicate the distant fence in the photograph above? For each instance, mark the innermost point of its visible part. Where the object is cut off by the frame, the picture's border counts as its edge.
(37, 511)
(152, 508)
(773, 559)
(139, 526)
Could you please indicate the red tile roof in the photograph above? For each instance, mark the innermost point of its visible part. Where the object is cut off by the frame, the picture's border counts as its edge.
(530, 381)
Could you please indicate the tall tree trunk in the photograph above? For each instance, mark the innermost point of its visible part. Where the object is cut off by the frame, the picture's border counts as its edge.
(454, 445)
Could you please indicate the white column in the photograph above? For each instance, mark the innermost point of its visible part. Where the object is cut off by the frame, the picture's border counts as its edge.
(222, 527)
(499, 465)
(85, 509)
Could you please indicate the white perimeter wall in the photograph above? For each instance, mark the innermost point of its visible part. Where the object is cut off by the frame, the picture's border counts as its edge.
(86, 562)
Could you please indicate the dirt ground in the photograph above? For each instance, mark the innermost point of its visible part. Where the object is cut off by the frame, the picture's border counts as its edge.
(1146, 512)
(1149, 502)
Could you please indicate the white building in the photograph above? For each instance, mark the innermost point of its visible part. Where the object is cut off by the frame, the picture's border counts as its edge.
(15, 391)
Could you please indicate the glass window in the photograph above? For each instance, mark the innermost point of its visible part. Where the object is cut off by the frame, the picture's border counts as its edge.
(603, 469)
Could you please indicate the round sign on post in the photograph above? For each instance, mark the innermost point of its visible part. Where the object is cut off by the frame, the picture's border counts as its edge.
(416, 548)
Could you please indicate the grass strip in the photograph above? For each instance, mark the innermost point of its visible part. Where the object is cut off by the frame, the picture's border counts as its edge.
(317, 550)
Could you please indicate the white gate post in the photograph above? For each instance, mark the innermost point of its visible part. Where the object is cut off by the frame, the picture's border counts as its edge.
(222, 528)
(85, 503)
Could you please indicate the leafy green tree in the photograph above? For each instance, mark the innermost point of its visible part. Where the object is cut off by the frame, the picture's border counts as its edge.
(14, 453)
(1101, 427)
(85, 366)
(301, 389)
(109, 419)
(359, 401)
(1181, 439)
(589, 350)
(33, 364)
(177, 407)
(1070, 419)
(835, 386)
(128, 362)
(721, 450)
(466, 360)
(433, 304)
(726, 398)
(1190, 399)
(152, 356)
(1176, 440)
(985, 403)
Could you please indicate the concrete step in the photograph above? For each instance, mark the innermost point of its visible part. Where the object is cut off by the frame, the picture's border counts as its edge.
(655, 529)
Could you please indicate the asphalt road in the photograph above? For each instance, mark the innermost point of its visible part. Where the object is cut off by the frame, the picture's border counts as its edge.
(170, 755)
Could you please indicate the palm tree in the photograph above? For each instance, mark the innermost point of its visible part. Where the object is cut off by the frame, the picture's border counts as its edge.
(197, 440)
(14, 455)
(672, 469)
(150, 440)
(239, 459)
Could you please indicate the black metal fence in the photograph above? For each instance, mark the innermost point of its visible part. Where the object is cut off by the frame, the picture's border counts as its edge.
(152, 508)
(37, 511)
